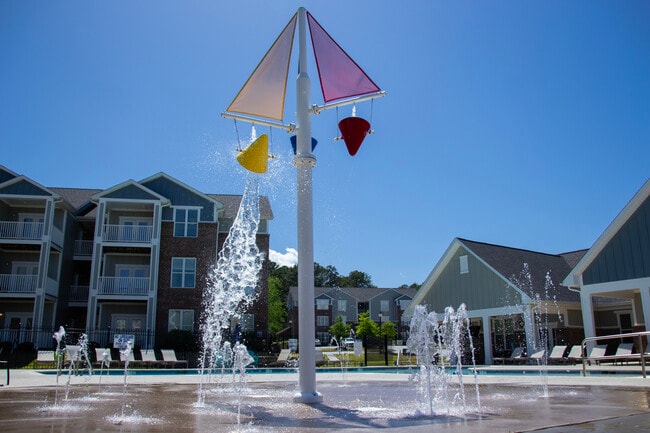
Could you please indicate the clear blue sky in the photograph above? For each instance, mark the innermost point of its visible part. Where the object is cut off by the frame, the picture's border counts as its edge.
(519, 123)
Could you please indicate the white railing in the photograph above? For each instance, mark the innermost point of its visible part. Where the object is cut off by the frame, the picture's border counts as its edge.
(15, 283)
(83, 248)
(21, 230)
(123, 286)
(79, 293)
(127, 233)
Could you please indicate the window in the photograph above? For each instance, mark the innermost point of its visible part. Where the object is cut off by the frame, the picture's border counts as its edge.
(322, 304)
(383, 306)
(322, 321)
(342, 304)
(181, 319)
(183, 272)
(248, 322)
(464, 266)
(404, 304)
(186, 222)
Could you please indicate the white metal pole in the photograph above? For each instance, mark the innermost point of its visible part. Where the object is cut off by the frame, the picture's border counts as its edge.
(304, 162)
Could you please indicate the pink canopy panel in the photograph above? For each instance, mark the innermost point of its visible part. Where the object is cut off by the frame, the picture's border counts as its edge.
(340, 76)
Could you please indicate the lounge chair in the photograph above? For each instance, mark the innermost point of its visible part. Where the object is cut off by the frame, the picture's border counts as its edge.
(73, 357)
(132, 361)
(537, 357)
(149, 358)
(45, 359)
(319, 358)
(103, 355)
(598, 351)
(283, 357)
(516, 356)
(575, 354)
(170, 360)
(623, 353)
(557, 354)
(332, 359)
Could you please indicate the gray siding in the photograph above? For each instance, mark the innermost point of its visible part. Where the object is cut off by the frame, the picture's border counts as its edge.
(24, 188)
(131, 192)
(627, 255)
(180, 196)
(480, 288)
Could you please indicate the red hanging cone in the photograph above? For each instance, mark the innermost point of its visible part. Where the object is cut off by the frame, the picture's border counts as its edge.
(353, 132)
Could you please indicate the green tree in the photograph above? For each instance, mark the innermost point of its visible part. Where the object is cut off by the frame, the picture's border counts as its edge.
(389, 330)
(356, 279)
(276, 305)
(339, 329)
(366, 328)
(415, 286)
(326, 276)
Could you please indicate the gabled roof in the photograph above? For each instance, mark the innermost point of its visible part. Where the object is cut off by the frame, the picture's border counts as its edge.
(127, 184)
(22, 186)
(508, 262)
(6, 174)
(162, 175)
(574, 279)
(77, 198)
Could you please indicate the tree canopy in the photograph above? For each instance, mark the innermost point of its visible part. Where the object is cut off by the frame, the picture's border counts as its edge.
(366, 327)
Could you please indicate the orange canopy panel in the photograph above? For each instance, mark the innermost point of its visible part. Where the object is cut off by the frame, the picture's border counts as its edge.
(264, 92)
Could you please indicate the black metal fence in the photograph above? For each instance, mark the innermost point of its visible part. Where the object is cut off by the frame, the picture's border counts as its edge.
(43, 338)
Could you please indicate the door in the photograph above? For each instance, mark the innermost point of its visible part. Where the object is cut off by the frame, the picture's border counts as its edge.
(31, 226)
(132, 279)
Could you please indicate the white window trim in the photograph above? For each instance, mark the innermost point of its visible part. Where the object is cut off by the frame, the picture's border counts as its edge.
(464, 264)
(171, 273)
(181, 312)
(185, 222)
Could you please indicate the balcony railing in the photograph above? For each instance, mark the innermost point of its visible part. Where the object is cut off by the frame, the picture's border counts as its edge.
(127, 233)
(21, 230)
(138, 286)
(16, 283)
(79, 293)
(83, 248)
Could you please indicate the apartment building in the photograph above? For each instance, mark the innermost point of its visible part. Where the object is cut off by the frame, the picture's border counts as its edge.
(132, 259)
(383, 305)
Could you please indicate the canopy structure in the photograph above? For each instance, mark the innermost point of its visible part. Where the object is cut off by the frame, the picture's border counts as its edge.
(261, 101)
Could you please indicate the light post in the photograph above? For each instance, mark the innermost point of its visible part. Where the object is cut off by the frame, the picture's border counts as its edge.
(380, 317)
(381, 333)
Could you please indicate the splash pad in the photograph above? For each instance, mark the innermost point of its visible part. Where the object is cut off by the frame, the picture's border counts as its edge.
(363, 402)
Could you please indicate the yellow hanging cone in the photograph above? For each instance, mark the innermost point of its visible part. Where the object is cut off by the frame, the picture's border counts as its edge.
(256, 155)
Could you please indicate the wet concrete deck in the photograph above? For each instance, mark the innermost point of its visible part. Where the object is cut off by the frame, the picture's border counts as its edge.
(352, 403)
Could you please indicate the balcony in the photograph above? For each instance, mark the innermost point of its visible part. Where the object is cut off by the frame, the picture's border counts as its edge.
(124, 286)
(83, 248)
(127, 233)
(15, 230)
(17, 283)
(79, 293)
